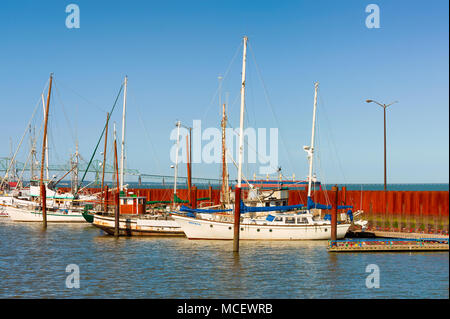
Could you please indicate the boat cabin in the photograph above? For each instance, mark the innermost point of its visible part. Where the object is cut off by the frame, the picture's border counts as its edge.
(132, 205)
(293, 219)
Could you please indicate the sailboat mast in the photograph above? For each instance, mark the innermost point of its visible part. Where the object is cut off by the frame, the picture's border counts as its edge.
(225, 196)
(241, 122)
(44, 142)
(122, 155)
(74, 168)
(104, 161)
(311, 149)
(178, 124)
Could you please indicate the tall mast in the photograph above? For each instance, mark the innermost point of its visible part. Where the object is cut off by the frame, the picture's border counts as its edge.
(13, 166)
(178, 124)
(74, 168)
(225, 197)
(33, 155)
(114, 146)
(44, 142)
(104, 159)
(241, 123)
(310, 150)
(122, 155)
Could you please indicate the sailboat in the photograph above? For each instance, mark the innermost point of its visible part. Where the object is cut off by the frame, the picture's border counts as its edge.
(288, 222)
(25, 209)
(133, 219)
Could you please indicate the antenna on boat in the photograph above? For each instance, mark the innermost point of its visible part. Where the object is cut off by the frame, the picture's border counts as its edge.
(122, 154)
(310, 149)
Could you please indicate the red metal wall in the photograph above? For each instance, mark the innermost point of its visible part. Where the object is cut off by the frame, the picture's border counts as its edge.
(400, 203)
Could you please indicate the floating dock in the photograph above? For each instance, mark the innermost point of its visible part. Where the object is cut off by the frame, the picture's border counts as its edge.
(388, 244)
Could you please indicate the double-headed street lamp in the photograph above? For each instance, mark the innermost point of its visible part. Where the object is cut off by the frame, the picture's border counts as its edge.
(384, 106)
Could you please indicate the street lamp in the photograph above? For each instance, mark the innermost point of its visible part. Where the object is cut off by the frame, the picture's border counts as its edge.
(384, 106)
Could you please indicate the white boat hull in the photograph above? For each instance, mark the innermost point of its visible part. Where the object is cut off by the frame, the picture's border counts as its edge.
(25, 215)
(208, 229)
(138, 227)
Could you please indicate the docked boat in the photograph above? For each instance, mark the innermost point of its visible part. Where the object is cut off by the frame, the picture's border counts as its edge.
(133, 218)
(42, 201)
(54, 215)
(134, 221)
(289, 222)
(276, 226)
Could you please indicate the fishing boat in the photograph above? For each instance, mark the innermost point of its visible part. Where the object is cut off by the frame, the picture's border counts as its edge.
(24, 205)
(129, 215)
(54, 215)
(288, 222)
(133, 221)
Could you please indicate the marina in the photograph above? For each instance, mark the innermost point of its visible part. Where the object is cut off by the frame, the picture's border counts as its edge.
(224, 155)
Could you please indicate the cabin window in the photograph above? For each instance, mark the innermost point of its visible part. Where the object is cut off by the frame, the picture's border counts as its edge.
(278, 219)
(289, 220)
(302, 220)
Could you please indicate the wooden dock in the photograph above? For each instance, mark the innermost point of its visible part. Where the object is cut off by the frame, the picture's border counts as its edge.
(388, 245)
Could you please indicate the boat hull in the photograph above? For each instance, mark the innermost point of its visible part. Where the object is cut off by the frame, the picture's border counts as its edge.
(24, 215)
(208, 229)
(136, 227)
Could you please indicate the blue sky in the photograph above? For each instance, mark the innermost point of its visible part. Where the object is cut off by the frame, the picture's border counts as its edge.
(173, 52)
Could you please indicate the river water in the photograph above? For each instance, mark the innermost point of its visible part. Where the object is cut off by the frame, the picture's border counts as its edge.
(33, 265)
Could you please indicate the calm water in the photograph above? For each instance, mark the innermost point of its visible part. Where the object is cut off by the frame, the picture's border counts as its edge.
(33, 264)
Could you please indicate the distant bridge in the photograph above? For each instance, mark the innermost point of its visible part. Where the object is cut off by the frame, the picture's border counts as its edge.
(95, 167)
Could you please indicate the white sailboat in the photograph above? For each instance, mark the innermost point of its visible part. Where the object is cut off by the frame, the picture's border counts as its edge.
(133, 218)
(294, 223)
(27, 209)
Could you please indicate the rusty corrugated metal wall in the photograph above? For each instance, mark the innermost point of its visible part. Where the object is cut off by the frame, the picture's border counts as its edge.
(406, 210)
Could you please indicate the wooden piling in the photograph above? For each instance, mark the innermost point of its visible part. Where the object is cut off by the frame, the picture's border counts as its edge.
(116, 214)
(237, 218)
(334, 213)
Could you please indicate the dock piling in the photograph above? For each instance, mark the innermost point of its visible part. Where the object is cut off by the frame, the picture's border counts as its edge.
(116, 214)
(334, 213)
(237, 218)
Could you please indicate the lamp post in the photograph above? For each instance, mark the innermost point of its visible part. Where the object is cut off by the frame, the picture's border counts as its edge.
(384, 106)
